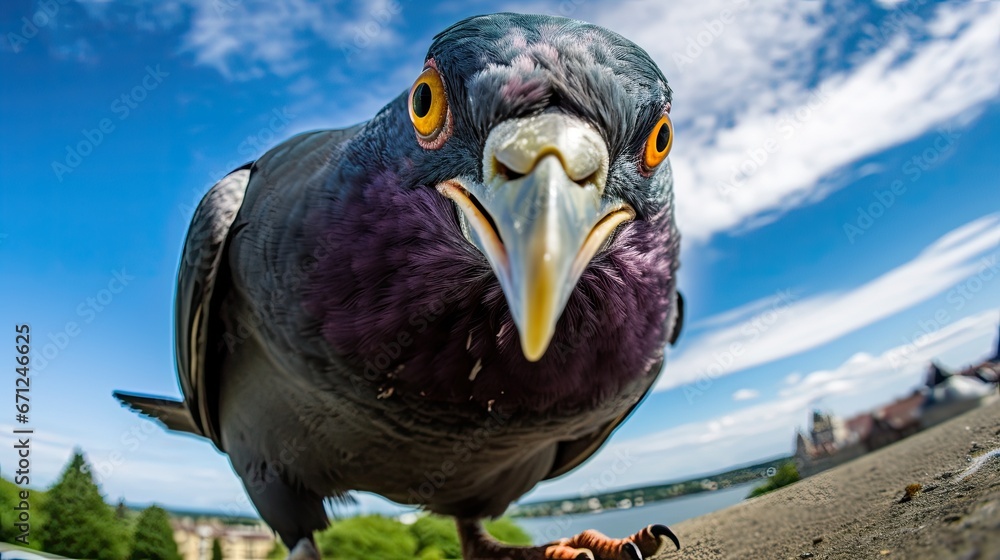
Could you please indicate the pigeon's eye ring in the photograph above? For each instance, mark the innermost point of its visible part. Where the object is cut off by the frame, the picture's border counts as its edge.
(428, 104)
(658, 145)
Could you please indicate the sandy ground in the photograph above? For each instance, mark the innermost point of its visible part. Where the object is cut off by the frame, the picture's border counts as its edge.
(854, 510)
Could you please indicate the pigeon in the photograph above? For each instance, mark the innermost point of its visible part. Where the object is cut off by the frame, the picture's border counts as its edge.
(447, 304)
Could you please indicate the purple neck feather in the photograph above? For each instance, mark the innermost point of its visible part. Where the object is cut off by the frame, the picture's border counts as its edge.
(417, 308)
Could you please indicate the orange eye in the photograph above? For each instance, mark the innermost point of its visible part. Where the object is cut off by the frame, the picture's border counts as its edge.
(428, 105)
(659, 142)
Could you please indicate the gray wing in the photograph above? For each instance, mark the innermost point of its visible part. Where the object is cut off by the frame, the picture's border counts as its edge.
(269, 187)
(269, 243)
(173, 414)
(196, 283)
(257, 197)
(197, 278)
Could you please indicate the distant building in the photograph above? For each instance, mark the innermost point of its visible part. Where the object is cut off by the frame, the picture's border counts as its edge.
(828, 443)
(951, 394)
(895, 421)
(194, 539)
(832, 441)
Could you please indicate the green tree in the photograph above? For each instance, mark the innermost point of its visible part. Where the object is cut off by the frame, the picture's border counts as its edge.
(279, 552)
(785, 475)
(430, 538)
(366, 537)
(504, 529)
(10, 498)
(436, 537)
(216, 550)
(154, 538)
(80, 524)
(121, 512)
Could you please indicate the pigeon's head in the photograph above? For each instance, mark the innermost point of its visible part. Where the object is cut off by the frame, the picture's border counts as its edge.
(547, 134)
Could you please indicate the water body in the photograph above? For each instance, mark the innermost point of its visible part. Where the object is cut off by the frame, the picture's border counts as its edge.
(623, 522)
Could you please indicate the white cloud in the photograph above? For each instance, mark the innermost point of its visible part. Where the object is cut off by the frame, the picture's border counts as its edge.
(245, 39)
(905, 361)
(748, 78)
(746, 394)
(749, 88)
(743, 312)
(248, 38)
(788, 327)
(767, 428)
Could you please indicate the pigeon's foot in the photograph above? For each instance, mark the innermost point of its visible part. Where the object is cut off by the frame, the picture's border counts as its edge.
(304, 550)
(589, 545)
(643, 545)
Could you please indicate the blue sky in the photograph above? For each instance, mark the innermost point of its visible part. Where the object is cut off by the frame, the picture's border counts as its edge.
(836, 183)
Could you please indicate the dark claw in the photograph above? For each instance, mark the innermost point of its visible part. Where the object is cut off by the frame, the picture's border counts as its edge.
(664, 531)
(632, 550)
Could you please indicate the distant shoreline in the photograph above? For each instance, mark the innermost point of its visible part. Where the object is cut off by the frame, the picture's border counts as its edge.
(648, 494)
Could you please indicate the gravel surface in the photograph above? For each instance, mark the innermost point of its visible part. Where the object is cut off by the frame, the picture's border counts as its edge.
(859, 510)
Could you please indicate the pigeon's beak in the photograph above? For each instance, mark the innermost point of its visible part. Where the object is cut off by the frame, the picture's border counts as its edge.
(539, 215)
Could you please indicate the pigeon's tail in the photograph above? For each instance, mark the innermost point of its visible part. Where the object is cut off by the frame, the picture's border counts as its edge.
(173, 414)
